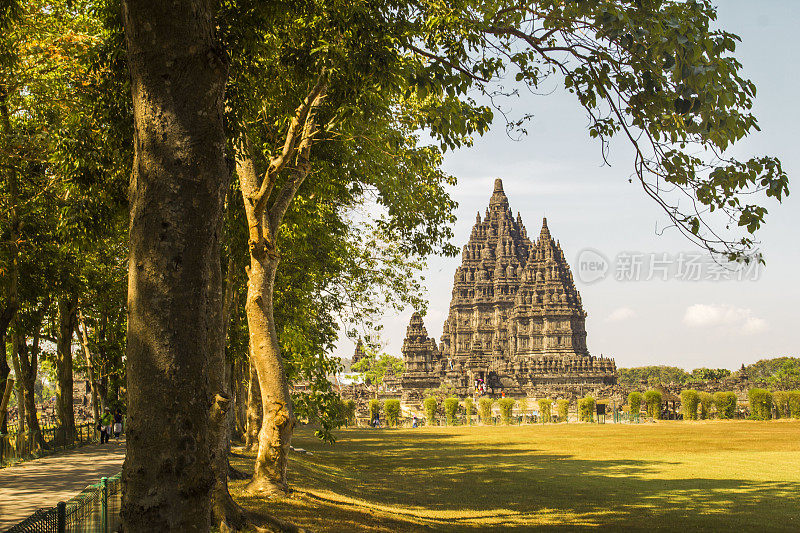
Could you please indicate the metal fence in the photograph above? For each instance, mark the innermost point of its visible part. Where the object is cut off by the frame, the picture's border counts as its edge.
(95, 510)
(15, 447)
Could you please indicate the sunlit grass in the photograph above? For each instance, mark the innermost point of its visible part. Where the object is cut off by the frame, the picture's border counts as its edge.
(712, 476)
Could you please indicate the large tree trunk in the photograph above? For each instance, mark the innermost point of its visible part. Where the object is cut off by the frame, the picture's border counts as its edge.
(67, 308)
(269, 476)
(19, 389)
(178, 76)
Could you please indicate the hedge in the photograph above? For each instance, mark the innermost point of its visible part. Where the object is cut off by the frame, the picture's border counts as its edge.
(635, 403)
(794, 404)
(760, 404)
(545, 409)
(450, 409)
(469, 409)
(506, 408)
(652, 399)
(780, 399)
(725, 402)
(586, 409)
(690, 399)
(706, 402)
(392, 410)
(563, 410)
(430, 405)
(374, 409)
(349, 407)
(485, 410)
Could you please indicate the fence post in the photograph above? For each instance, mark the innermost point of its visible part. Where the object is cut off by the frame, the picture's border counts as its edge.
(104, 504)
(61, 514)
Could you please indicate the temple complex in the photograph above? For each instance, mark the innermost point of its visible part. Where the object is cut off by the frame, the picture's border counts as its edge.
(516, 323)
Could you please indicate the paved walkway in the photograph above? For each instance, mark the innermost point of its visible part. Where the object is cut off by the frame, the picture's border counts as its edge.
(44, 482)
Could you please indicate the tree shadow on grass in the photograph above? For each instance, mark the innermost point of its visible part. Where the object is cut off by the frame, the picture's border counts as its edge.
(428, 482)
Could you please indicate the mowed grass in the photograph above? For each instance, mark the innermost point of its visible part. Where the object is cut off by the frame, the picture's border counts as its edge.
(671, 476)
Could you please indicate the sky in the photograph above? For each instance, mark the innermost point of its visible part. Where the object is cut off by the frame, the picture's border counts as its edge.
(687, 314)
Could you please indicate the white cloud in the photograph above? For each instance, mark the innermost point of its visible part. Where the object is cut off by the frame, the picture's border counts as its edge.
(739, 319)
(620, 314)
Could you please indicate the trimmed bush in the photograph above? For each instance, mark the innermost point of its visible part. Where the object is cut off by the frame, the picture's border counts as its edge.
(469, 409)
(563, 410)
(780, 399)
(392, 410)
(725, 402)
(794, 403)
(635, 403)
(374, 409)
(545, 409)
(760, 404)
(349, 407)
(690, 399)
(506, 408)
(430, 405)
(706, 402)
(485, 410)
(450, 410)
(586, 409)
(652, 400)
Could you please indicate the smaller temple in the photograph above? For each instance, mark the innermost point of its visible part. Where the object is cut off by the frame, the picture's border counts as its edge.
(359, 354)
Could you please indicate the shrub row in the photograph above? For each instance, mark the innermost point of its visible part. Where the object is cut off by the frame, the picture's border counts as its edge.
(586, 409)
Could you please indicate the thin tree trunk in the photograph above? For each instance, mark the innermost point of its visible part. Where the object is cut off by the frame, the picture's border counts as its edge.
(19, 389)
(274, 439)
(178, 75)
(9, 309)
(29, 367)
(254, 415)
(84, 336)
(64, 395)
(225, 513)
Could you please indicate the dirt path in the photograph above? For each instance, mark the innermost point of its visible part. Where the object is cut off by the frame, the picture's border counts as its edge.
(44, 482)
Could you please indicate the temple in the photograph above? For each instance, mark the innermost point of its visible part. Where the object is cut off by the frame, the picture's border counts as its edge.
(516, 324)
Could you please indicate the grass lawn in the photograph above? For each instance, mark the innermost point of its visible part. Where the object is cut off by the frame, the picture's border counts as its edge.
(671, 476)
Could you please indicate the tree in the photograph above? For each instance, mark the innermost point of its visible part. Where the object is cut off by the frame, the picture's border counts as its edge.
(375, 365)
(178, 74)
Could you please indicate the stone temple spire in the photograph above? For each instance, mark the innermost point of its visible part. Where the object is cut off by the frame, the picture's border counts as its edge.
(499, 198)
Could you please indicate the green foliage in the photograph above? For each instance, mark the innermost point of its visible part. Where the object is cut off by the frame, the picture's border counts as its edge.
(450, 410)
(506, 407)
(760, 404)
(430, 405)
(469, 409)
(545, 409)
(563, 410)
(374, 408)
(778, 373)
(392, 409)
(350, 411)
(794, 404)
(651, 375)
(635, 402)
(706, 402)
(373, 367)
(780, 399)
(485, 410)
(725, 402)
(705, 374)
(586, 408)
(690, 399)
(652, 401)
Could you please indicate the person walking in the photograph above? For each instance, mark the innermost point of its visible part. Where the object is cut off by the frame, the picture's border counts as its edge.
(117, 424)
(105, 425)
